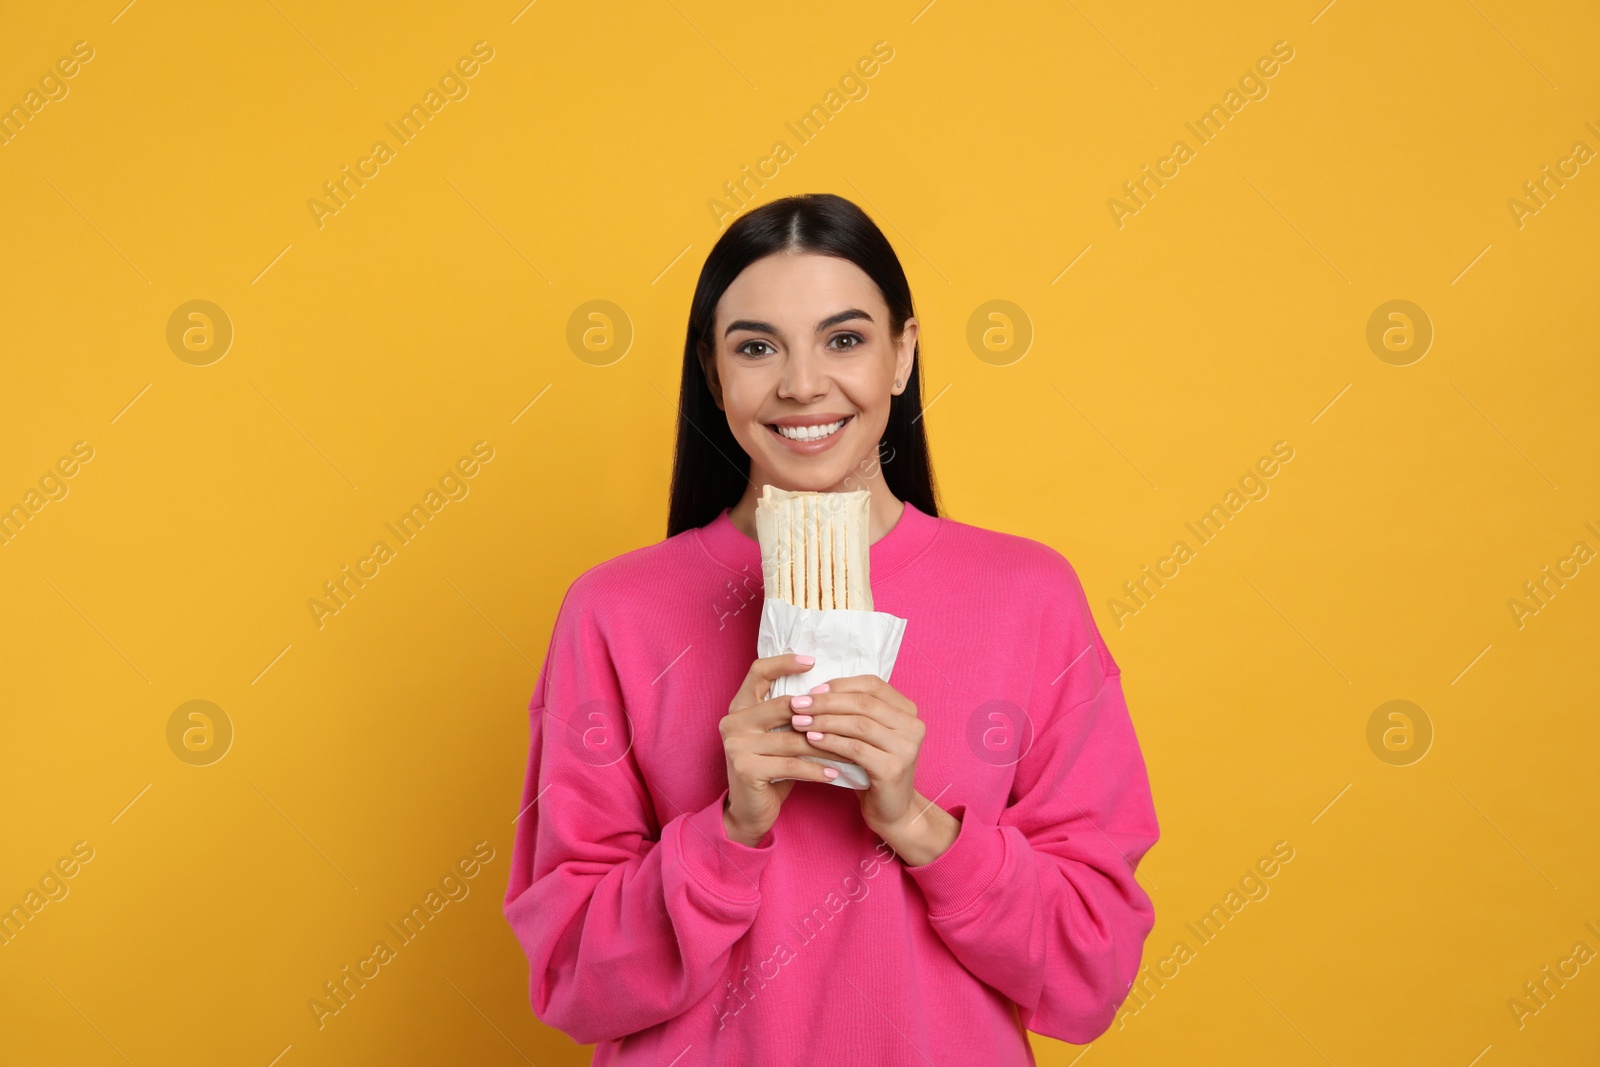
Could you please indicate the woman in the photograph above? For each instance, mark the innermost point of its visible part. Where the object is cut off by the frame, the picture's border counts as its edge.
(688, 890)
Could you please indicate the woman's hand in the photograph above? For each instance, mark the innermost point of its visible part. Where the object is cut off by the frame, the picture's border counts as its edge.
(756, 753)
(865, 720)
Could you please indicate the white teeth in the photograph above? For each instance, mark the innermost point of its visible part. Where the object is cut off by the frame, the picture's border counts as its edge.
(810, 433)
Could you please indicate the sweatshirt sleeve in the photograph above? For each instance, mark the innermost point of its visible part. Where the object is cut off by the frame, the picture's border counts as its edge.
(1044, 905)
(625, 923)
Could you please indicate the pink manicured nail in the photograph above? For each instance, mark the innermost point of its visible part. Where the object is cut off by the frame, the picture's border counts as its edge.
(801, 720)
(812, 735)
(823, 688)
(807, 660)
(830, 772)
(800, 702)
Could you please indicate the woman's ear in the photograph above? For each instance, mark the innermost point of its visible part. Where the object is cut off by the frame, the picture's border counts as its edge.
(708, 365)
(905, 350)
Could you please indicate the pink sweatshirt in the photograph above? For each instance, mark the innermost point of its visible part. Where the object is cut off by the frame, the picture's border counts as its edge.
(652, 935)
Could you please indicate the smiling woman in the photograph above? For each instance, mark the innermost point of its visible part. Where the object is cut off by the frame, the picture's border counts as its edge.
(813, 366)
(670, 855)
(772, 369)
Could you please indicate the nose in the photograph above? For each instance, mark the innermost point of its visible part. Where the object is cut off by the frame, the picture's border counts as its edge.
(804, 377)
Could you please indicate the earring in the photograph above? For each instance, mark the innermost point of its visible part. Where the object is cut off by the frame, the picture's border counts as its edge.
(897, 383)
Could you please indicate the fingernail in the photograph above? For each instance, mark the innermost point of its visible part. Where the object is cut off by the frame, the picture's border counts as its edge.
(807, 660)
(823, 688)
(812, 735)
(830, 772)
(802, 720)
(800, 702)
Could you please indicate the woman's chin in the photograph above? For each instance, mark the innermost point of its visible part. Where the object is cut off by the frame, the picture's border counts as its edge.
(829, 477)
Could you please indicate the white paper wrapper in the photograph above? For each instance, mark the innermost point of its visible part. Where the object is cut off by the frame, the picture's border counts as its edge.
(846, 642)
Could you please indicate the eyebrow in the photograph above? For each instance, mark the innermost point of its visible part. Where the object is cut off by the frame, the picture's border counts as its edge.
(767, 327)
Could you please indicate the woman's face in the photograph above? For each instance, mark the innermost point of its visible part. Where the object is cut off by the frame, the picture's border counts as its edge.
(802, 342)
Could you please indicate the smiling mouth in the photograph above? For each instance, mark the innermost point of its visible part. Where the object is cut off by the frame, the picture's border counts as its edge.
(809, 433)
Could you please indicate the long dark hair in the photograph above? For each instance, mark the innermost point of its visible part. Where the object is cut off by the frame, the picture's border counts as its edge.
(709, 468)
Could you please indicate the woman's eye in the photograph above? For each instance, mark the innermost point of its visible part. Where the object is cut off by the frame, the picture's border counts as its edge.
(854, 339)
(743, 349)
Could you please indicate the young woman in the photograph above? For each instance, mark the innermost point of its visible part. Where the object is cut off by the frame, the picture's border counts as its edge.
(688, 890)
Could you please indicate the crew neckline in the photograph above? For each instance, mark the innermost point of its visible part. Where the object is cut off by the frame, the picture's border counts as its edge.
(911, 533)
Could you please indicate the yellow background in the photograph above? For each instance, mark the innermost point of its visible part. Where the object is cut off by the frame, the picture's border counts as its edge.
(428, 314)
